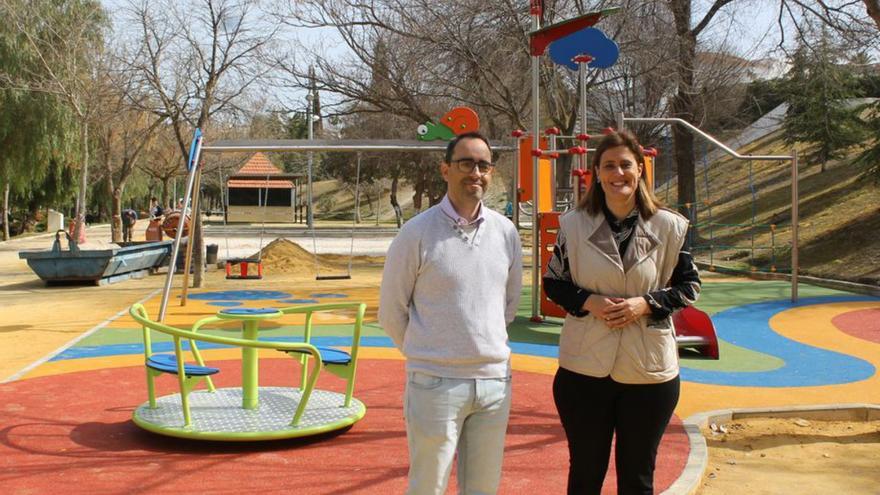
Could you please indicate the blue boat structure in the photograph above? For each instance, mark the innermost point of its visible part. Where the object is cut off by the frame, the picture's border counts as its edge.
(96, 266)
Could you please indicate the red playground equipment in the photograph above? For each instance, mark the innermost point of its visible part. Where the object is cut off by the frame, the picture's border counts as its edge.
(695, 330)
(244, 272)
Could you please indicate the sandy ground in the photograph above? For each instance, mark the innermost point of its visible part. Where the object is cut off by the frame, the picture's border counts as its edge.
(775, 456)
(36, 321)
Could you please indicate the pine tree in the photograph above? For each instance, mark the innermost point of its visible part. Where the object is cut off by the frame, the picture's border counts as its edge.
(872, 154)
(817, 90)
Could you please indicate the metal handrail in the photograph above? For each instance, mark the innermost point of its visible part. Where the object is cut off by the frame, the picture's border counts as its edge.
(730, 151)
(622, 119)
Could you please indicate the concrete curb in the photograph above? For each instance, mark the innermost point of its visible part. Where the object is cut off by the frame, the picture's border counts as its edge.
(698, 458)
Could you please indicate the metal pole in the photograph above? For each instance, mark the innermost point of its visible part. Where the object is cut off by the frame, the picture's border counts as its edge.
(187, 259)
(515, 199)
(175, 249)
(309, 217)
(220, 178)
(551, 145)
(582, 160)
(621, 121)
(794, 226)
(582, 80)
(334, 145)
(536, 144)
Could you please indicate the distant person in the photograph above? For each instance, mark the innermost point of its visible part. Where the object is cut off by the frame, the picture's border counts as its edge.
(156, 210)
(450, 287)
(184, 210)
(129, 218)
(619, 270)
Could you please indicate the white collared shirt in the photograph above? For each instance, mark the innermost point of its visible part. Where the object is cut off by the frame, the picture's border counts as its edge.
(449, 210)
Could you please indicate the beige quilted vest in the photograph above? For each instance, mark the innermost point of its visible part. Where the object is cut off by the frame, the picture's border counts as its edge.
(644, 351)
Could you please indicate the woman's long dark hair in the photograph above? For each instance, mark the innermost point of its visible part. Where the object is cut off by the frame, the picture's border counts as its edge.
(646, 202)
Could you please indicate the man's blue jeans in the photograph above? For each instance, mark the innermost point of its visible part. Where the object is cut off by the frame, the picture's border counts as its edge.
(449, 415)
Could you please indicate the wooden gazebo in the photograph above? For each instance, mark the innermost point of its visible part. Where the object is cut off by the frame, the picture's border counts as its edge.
(260, 192)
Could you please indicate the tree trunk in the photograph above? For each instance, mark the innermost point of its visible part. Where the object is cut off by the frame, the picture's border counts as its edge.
(873, 8)
(115, 207)
(683, 107)
(116, 215)
(398, 215)
(29, 224)
(4, 212)
(165, 203)
(417, 196)
(80, 213)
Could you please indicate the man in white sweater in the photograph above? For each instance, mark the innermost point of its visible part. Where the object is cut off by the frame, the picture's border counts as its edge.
(450, 287)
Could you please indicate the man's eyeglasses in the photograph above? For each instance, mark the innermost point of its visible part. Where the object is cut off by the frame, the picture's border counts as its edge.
(466, 166)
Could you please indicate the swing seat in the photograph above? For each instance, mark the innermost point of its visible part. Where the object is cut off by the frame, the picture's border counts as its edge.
(329, 355)
(333, 277)
(167, 363)
(243, 270)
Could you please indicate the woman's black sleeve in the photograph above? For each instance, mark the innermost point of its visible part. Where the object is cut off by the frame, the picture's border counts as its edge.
(558, 284)
(684, 289)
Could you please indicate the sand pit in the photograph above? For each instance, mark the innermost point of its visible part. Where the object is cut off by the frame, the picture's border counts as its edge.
(288, 257)
(792, 455)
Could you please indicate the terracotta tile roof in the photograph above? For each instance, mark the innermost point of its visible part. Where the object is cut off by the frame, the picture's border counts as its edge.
(259, 184)
(259, 165)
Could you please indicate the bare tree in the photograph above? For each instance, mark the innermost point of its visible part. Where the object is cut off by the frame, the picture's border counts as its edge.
(436, 52)
(161, 162)
(415, 59)
(197, 60)
(125, 130)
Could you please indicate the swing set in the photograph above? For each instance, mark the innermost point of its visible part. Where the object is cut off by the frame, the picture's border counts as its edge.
(243, 268)
(357, 197)
(243, 265)
(251, 268)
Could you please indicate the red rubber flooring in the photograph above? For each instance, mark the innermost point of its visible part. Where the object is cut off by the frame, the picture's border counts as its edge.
(72, 433)
(864, 324)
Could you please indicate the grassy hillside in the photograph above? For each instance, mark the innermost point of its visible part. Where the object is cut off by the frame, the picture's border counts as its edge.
(743, 219)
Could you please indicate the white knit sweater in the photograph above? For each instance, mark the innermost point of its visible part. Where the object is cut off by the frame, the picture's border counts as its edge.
(447, 297)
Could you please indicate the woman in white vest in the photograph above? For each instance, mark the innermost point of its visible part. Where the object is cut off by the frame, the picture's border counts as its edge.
(619, 271)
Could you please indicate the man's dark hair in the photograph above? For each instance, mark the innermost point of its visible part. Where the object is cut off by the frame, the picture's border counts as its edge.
(467, 135)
